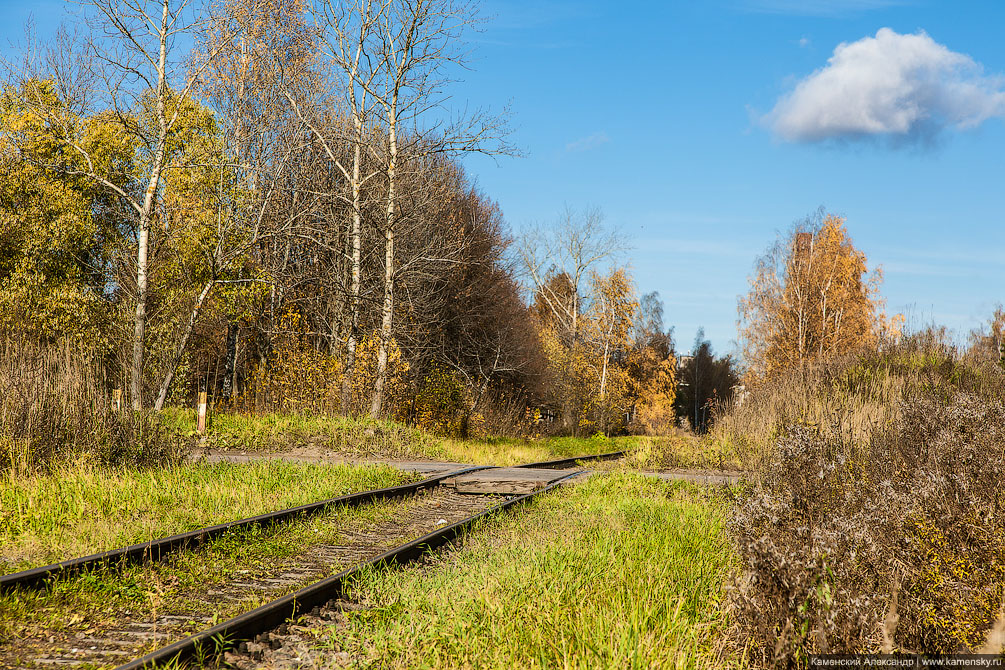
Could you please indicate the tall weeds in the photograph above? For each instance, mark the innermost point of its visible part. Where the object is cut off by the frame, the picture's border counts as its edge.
(877, 518)
(55, 404)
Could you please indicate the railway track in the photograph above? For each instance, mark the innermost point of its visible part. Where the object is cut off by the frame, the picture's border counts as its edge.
(305, 584)
(160, 548)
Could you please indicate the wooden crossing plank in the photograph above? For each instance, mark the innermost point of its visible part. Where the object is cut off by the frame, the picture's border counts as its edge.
(505, 480)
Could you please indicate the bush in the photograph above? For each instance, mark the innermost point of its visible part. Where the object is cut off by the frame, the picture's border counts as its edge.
(441, 405)
(892, 542)
(656, 415)
(299, 377)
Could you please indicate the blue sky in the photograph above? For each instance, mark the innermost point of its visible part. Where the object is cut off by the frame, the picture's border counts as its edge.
(667, 116)
(652, 111)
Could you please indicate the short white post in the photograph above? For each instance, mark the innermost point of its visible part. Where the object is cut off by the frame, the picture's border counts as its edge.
(201, 426)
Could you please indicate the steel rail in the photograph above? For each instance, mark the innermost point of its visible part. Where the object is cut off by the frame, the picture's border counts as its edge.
(271, 615)
(567, 462)
(157, 549)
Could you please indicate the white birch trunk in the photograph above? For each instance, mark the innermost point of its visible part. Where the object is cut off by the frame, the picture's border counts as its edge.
(354, 281)
(387, 310)
(146, 215)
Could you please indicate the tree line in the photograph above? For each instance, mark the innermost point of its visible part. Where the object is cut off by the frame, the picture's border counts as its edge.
(265, 199)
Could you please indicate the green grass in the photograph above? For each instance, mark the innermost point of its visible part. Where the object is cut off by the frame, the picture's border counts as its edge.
(683, 449)
(514, 451)
(278, 432)
(82, 508)
(619, 572)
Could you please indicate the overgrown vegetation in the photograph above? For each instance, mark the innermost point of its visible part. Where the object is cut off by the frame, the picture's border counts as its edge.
(876, 522)
(273, 431)
(367, 438)
(621, 571)
(513, 451)
(298, 238)
(84, 508)
(55, 406)
(93, 601)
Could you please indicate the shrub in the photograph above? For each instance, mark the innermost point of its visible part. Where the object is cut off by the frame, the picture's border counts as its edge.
(656, 415)
(507, 412)
(299, 377)
(441, 406)
(890, 541)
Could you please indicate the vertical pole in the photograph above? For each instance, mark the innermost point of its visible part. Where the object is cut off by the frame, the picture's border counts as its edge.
(117, 399)
(201, 427)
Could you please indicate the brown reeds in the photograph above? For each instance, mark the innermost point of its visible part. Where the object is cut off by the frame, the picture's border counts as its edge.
(55, 403)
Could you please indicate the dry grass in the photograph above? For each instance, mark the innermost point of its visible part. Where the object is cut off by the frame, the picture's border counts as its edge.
(855, 394)
(55, 406)
(682, 448)
(514, 451)
(877, 517)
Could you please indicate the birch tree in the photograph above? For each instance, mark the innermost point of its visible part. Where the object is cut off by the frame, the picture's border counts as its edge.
(812, 295)
(133, 69)
(236, 56)
(558, 263)
(417, 43)
(576, 245)
(346, 33)
(614, 307)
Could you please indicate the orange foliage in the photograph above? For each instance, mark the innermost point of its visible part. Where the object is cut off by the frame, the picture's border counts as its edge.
(811, 297)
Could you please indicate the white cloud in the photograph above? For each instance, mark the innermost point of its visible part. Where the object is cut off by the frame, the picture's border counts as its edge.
(900, 86)
(589, 142)
(804, 42)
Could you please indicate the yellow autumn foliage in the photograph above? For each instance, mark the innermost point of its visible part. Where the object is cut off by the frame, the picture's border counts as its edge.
(300, 377)
(443, 406)
(54, 245)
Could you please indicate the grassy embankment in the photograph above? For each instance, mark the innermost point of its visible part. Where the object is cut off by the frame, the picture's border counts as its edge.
(84, 509)
(621, 571)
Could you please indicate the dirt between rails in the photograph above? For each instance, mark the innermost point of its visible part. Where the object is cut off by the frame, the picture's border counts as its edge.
(81, 644)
